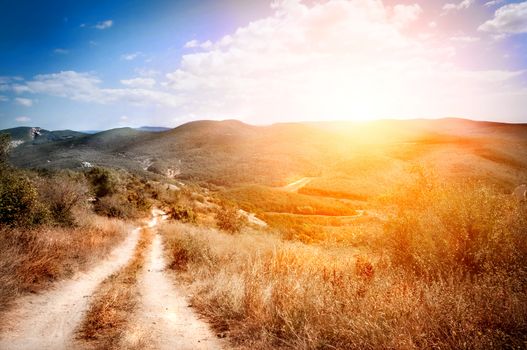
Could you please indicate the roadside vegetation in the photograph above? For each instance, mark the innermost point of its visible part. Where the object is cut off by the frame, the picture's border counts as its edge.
(373, 252)
(55, 223)
(447, 269)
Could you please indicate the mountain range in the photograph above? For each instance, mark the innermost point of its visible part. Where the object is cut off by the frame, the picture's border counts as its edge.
(345, 154)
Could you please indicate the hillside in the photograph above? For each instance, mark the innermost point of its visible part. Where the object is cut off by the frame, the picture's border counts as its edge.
(342, 156)
(274, 235)
(102, 148)
(37, 135)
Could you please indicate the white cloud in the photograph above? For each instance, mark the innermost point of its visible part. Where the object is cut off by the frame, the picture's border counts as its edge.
(404, 14)
(465, 39)
(147, 73)
(22, 119)
(104, 24)
(493, 3)
(508, 19)
(61, 51)
(5, 83)
(26, 102)
(3, 98)
(334, 59)
(465, 4)
(205, 45)
(19, 88)
(192, 44)
(139, 82)
(330, 60)
(85, 87)
(131, 56)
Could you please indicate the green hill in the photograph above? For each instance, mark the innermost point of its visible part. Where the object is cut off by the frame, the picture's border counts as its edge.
(346, 159)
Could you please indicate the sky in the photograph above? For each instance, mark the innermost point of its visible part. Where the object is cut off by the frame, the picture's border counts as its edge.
(100, 64)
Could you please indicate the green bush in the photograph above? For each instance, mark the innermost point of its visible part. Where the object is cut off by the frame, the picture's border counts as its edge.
(19, 204)
(139, 200)
(183, 214)
(103, 182)
(114, 207)
(4, 148)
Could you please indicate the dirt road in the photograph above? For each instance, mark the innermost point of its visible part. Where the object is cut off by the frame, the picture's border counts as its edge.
(48, 320)
(297, 185)
(162, 321)
(164, 316)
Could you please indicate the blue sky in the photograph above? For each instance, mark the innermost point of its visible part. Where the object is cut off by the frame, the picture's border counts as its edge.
(102, 64)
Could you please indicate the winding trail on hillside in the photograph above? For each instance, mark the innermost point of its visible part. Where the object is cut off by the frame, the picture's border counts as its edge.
(164, 317)
(360, 213)
(48, 320)
(297, 185)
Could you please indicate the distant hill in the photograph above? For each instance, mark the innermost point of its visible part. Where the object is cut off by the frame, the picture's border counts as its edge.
(142, 128)
(37, 135)
(152, 128)
(337, 154)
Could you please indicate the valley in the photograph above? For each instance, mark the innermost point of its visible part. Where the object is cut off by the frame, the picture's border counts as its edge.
(309, 235)
(263, 175)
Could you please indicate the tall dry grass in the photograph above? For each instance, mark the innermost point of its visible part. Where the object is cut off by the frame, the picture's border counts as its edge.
(449, 271)
(32, 259)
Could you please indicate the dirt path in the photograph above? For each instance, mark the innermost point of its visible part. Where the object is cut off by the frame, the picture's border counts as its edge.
(297, 185)
(164, 317)
(48, 320)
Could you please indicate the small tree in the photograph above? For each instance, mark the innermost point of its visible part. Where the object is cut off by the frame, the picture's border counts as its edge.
(229, 219)
(102, 181)
(114, 207)
(183, 214)
(61, 195)
(19, 205)
(4, 148)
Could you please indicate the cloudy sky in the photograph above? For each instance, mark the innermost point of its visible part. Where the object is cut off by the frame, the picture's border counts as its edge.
(98, 64)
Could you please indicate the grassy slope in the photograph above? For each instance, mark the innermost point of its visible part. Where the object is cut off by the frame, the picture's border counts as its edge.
(231, 152)
(33, 258)
(395, 287)
(264, 199)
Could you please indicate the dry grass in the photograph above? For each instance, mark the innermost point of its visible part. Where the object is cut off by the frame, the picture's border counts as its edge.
(32, 259)
(348, 230)
(264, 199)
(448, 271)
(114, 302)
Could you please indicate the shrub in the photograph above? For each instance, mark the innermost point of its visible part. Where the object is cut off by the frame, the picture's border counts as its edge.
(4, 148)
(183, 214)
(466, 228)
(229, 219)
(102, 181)
(139, 200)
(19, 205)
(61, 195)
(114, 207)
(186, 249)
